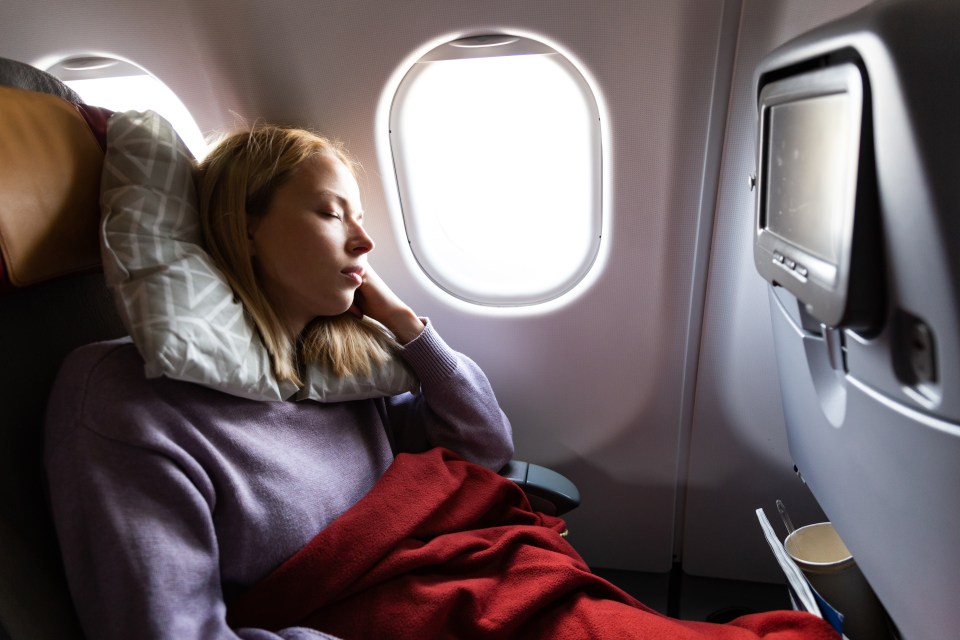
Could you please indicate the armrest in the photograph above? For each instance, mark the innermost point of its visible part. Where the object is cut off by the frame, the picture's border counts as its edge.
(547, 490)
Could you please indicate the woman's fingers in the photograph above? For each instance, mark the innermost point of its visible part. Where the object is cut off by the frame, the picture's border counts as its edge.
(377, 300)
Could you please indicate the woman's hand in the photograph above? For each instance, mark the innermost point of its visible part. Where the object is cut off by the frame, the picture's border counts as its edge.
(375, 299)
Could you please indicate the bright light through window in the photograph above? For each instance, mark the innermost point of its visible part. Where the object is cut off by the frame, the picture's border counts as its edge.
(498, 165)
(103, 86)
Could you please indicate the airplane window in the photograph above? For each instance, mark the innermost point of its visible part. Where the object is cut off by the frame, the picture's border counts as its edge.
(497, 151)
(122, 86)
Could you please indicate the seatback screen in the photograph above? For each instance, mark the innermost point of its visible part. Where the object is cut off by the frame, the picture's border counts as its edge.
(808, 173)
(809, 181)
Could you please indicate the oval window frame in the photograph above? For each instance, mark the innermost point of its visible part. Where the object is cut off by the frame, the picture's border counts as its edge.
(428, 247)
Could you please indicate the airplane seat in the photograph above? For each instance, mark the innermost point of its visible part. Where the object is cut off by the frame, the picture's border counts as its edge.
(24, 76)
(52, 299)
(857, 234)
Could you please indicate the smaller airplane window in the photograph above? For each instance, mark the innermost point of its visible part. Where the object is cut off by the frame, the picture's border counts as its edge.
(122, 86)
(496, 147)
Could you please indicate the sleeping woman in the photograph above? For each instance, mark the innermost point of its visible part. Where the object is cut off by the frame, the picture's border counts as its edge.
(189, 513)
(166, 493)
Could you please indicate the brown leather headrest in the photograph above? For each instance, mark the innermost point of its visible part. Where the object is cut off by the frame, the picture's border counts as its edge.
(50, 165)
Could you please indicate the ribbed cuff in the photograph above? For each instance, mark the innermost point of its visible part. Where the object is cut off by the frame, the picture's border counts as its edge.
(431, 358)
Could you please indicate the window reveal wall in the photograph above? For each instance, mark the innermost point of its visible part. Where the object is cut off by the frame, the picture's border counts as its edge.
(123, 86)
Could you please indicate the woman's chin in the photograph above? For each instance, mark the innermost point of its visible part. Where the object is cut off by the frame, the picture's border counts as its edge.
(336, 312)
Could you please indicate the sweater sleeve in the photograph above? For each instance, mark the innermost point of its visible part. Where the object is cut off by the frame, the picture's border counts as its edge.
(136, 531)
(455, 408)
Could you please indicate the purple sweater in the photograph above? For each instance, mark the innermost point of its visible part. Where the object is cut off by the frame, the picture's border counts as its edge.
(166, 494)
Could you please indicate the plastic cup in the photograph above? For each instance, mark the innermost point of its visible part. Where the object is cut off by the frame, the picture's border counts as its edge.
(829, 566)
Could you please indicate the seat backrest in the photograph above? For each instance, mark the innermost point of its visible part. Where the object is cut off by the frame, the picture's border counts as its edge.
(52, 300)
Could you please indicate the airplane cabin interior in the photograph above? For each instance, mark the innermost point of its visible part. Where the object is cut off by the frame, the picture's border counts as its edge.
(705, 251)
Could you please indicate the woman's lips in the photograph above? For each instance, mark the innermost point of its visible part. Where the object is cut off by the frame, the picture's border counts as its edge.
(355, 274)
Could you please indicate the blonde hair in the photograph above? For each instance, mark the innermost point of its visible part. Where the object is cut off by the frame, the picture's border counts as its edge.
(238, 179)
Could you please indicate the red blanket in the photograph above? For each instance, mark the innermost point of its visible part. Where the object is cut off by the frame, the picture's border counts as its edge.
(442, 548)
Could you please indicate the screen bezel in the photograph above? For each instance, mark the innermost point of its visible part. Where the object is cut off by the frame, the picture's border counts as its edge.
(818, 283)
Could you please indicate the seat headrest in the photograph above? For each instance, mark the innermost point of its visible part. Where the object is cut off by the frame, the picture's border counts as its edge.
(24, 76)
(50, 165)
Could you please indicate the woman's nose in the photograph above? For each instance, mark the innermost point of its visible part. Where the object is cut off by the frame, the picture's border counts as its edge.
(360, 241)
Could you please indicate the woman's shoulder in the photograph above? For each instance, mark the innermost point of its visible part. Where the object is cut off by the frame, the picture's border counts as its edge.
(102, 387)
(86, 373)
(100, 358)
(100, 366)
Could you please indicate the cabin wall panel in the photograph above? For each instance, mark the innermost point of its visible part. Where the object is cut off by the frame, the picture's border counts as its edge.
(594, 387)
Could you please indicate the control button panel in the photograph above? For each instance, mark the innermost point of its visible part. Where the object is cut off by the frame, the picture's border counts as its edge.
(790, 264)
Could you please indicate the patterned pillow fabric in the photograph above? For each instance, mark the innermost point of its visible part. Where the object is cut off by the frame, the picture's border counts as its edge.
(177, 306)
